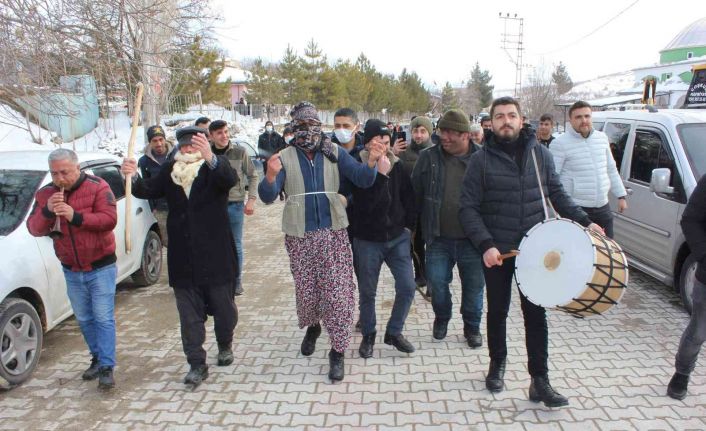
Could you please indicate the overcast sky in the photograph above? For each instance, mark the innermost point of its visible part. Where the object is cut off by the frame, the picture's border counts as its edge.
(441, 40)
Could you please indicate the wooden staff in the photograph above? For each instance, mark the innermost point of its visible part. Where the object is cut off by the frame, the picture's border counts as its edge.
(128, 178)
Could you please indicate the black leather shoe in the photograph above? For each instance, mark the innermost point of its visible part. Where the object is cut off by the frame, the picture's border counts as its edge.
(238, 289)
(196, 375)
(496, 372)
(309, 343)
(677, 386)
(366, 346)
(399, 342)
(335, 361)
(440, 328)
(105, 378)
(473, 337)
(92, 372)
(541, 390)
(225, 355)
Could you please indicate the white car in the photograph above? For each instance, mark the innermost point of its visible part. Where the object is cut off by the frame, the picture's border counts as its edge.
(33, 296)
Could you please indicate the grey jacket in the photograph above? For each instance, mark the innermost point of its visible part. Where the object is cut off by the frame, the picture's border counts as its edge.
(243, 167)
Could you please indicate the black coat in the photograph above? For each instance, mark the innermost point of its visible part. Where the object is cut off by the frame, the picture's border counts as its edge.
(693, 223)
(382, 211)
(201, 249)
(500, 203)
(270, 143)
(428, 181)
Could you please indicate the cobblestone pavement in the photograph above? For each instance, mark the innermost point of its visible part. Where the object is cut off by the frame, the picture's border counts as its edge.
(613, 368)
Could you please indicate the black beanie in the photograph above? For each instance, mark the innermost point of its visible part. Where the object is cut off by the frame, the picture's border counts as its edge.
(375, 128)
(154, 131)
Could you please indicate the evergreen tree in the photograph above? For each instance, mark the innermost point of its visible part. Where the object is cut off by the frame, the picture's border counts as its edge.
(291, 75)
(561, 78)
(197, 69)
(449, 100)
(264, 87)
(480, 87)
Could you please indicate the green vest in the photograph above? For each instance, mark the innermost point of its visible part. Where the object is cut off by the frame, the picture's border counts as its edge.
(293, 217)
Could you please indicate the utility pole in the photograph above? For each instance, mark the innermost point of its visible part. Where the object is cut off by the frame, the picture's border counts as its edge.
(511, 43)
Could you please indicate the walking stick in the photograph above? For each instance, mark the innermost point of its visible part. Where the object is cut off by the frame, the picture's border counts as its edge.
(128, 178)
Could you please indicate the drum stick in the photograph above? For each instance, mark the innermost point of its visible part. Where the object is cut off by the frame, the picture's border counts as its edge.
(128, 178)
(511, 253)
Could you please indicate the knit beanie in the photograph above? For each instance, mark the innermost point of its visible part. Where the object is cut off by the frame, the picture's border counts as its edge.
(375, 128)
(423, 122)
(455, 119)
(155, 131)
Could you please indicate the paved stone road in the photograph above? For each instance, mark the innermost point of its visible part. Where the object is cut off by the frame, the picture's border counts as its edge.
(613, 368)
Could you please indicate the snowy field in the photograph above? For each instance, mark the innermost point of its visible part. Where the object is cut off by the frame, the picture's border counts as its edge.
(112, 134)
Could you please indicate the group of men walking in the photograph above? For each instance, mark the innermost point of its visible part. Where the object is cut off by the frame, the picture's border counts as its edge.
(351, 203)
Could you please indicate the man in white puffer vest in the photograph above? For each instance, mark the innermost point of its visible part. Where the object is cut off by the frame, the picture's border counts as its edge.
(587, 168)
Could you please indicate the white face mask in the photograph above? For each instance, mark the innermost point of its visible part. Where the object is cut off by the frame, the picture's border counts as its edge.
(344, 136)
(268, 129)
(288, 139)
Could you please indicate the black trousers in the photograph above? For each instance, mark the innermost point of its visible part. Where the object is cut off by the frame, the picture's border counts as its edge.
(192, 303)
(418, 251)
(603, 217)
(498, 280)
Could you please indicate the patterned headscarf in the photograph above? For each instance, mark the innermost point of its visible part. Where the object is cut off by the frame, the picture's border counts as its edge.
(307, 131)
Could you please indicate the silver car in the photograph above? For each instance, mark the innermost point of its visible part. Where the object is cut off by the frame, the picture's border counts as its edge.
(33, 296)
(661, 155)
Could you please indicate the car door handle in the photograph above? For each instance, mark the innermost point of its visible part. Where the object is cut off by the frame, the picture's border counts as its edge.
(139, 211)
(628, 190)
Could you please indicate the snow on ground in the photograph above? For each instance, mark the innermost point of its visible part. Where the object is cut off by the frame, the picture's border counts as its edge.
(112, 134)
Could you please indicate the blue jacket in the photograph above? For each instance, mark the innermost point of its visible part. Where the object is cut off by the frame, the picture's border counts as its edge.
(317, 211)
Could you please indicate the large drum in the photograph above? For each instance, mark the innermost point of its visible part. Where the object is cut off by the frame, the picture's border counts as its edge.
(563, 265)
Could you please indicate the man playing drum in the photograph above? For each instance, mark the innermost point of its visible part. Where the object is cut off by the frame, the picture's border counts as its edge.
(500, 202)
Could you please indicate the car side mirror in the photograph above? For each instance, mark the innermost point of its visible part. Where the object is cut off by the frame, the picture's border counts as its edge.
(659, 183)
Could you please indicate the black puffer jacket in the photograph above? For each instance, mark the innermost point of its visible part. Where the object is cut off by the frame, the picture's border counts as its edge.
(693, 223)
(383, 211)
(499, 203)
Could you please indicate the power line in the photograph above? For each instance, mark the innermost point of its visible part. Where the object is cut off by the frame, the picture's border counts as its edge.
(593, 31)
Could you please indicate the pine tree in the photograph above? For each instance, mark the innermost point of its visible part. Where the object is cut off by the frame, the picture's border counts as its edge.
(264, 87)
(449, 100)
(198, 69)
(480, 87)
(291, 74)
(561, 78)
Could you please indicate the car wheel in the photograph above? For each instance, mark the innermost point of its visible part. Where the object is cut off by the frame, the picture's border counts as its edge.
(687, 279)
(151, 266)
(21, 340)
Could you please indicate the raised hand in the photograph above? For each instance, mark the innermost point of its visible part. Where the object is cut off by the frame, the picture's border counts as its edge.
(274, 165)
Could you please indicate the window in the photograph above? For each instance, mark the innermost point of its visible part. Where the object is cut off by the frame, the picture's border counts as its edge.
(17, 189)
(617, 137)
(689, 55)
(650, 152)
(112, 176)
(598, 125)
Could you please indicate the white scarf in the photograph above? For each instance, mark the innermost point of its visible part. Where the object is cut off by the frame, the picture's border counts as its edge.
(186, 169)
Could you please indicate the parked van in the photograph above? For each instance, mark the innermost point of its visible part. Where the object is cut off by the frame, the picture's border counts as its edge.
(661, 155)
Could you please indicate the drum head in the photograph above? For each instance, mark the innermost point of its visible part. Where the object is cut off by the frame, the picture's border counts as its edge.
(555, 262)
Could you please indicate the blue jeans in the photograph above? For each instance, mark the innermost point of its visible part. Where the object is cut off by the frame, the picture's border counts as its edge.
(370, 256)
(92, 296)
(442, 255)
(236, 213)
(695, 333)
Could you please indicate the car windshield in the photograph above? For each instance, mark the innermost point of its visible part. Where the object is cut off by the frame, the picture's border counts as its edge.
(17, 189)
(693, 137)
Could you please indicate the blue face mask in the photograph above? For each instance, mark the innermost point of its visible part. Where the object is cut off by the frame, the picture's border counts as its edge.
(343, 135)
